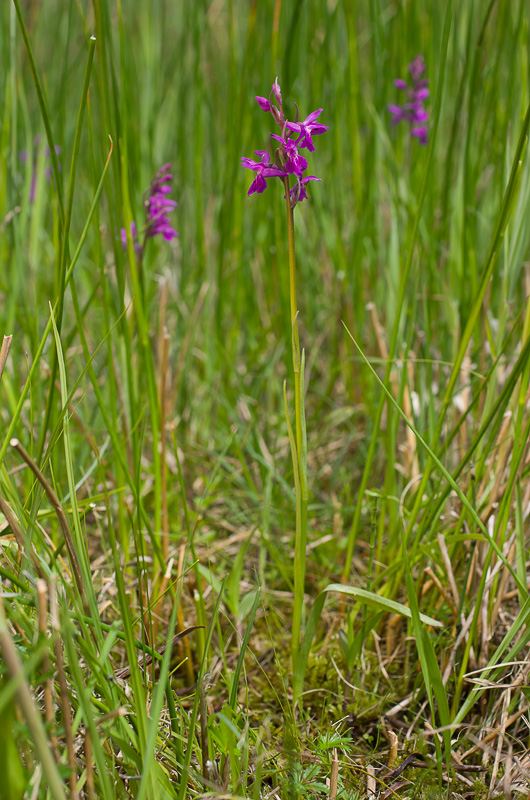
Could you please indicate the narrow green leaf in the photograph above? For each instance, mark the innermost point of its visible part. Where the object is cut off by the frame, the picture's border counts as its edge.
(370, 598)
(476, 518)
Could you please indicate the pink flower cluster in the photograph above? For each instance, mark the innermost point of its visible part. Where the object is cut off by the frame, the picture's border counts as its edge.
(289, 161)
(413, 110)
(157, 207)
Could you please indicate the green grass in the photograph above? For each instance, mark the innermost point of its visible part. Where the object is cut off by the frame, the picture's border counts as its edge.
(146, 479)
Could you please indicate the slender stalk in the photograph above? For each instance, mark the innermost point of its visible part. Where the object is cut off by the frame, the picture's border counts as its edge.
(4, 351)
(42, 617)
(298, 446)
(294, 311)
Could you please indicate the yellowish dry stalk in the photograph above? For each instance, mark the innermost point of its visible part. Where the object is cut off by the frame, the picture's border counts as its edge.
(42, 615)
(163, 392)
(334, 775)
(4, 352)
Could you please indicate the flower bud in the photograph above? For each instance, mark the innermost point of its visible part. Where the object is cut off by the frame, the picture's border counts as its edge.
(277, 114)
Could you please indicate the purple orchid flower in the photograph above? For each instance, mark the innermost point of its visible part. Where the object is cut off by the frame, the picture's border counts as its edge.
(295, 163)
(299, 189)
(277, 92)
(307, 129)
(264, 170)
(294, 135)
(413, 109)
(134, 237)
(420, 132)
(266, 105)
(157, 207)
(263, 103)
(417, 68)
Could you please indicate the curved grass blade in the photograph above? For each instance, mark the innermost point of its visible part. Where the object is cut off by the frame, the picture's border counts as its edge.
(369, 598)
(36, 361)
(244, 644)
(32, 716)
(402, 287)
(449, 478)
(61, 286)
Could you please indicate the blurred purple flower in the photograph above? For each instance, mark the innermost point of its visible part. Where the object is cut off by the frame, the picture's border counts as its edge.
(417, 68)
(134, 237)
(413, 110)
(158, 205)
(264, 170)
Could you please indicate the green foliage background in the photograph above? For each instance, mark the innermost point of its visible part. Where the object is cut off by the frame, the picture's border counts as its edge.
(175, 82)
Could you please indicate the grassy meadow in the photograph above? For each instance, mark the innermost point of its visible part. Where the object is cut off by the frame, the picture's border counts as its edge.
(264, 485)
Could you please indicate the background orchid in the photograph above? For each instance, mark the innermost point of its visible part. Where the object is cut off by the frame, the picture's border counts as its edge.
(157, 207)
(413, 110)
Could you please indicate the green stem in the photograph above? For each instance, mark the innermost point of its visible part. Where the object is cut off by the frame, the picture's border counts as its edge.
(294, 312)
(298, 447)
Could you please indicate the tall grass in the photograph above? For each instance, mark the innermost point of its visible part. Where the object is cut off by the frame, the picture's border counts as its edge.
(147, 495)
